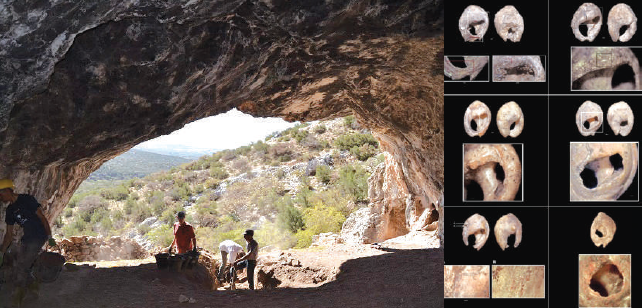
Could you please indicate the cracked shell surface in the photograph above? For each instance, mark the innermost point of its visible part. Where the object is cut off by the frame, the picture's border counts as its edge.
(606, 227)
(479, 166)
(476, 17)
(589, 113)
(590, 15)
(509, 24)
(612, 182)
(506, 226)
(478, 112)
(509, 114)
(620, 118)
(476, 225)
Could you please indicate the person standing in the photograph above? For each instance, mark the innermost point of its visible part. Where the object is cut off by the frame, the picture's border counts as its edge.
(229, 249)
(184, 237)
(25, 211)
(249, 260)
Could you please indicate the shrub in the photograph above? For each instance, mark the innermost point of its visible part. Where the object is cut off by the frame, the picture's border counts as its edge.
(300, 135)
(282, 152)
(143, 229)
(319, 219)
(320, 129)
(311, 143)
(228, 155)
(290, 218)
(219, 173)
(161, 236)
(271, 234)
(261, 147)
(242, 165)
(324, 174)
(364, 151)
(157, 202)
(244, 150)
(353, 181)
(347, 142)
(68, 212)
(349, 121)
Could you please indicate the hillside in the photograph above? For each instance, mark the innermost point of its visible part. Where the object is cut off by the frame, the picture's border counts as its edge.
(294, 184)
(135, 164)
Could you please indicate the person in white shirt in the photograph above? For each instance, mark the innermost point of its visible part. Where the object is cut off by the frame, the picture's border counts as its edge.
(229, 251)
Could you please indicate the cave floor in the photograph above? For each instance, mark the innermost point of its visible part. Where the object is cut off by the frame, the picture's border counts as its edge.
(392, 278)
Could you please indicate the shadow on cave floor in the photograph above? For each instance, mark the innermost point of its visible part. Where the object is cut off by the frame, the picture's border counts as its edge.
(400, 278)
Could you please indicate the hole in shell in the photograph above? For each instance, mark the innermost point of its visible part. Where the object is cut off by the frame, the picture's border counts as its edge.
(473, 125)
(616, 161)
(512, 126)
(587, 124)
(589, 179)
(520, 70)
(510, 241)
(474, 191)
(471, 240)
(623, 78)
(510, 31)
(583, 28)
(624, 123)
(458, 61)
(623, 29)
(607, 280)
(598, 233)
(499, 172)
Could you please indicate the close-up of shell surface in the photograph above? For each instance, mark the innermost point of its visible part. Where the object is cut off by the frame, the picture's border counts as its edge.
(602, 171)
(510, 120)
(602, 229)
(518, 69)
(473, 23)
(605, 280)
(509, 24)
(506, 226)
(477, 118)
(594, 68)
(589, 118)
(481, 165)
(476, 225)
(620, 118)
(587, 15)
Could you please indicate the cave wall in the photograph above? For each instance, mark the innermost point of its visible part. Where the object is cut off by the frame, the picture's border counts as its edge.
(84, 81)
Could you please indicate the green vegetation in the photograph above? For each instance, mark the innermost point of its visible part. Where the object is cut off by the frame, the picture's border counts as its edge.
(222, 197)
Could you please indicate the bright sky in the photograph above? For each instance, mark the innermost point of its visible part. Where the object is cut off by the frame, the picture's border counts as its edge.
(224, 131)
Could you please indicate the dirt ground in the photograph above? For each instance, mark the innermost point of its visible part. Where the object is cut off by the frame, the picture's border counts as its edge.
(358, 277)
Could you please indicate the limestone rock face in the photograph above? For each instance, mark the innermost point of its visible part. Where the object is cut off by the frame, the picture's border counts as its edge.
(84, 81)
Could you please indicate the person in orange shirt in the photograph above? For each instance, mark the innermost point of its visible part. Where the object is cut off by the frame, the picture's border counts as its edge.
(184, 237)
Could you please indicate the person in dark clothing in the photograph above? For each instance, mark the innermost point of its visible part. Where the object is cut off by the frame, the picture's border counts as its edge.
(25, 211)
(249, 260)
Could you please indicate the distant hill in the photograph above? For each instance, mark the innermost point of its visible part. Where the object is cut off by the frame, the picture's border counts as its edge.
(182, 151)
(135, 163)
